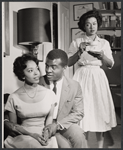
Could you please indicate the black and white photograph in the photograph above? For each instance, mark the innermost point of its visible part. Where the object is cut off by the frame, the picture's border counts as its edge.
(61, 74)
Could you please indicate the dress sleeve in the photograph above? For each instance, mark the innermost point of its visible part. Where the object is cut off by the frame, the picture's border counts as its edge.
(9, 106)
(108, 52)
(73, 48)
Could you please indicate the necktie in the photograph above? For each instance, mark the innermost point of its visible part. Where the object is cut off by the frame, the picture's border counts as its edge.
(54, 88)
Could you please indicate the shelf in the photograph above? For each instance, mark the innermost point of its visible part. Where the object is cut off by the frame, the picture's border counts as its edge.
(108, 21)
(116, 49)
(110, 11)
(109, 28)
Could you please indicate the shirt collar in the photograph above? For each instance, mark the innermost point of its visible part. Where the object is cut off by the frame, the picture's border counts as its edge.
(59, 81)
(96, 39)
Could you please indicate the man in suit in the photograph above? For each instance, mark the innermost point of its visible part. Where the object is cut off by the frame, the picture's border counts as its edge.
(69, 109)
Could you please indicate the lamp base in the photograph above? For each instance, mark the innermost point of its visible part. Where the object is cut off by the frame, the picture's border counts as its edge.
(34, 49)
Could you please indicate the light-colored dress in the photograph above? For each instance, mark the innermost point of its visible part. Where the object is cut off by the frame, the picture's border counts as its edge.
(33, 117)
(99, 112)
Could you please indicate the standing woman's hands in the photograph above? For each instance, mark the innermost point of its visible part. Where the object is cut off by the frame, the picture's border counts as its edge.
(101, 56)
(82, 47)
(98, 54)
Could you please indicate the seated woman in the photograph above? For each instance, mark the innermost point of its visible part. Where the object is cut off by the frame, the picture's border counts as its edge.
(33, 103)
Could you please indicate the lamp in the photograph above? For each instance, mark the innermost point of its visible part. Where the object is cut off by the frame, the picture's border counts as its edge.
(33, 27)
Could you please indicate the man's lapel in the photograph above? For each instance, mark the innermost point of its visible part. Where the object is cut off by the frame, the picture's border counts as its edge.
(64, 94)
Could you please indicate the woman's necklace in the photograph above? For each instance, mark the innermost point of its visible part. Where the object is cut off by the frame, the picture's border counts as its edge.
(28, 93)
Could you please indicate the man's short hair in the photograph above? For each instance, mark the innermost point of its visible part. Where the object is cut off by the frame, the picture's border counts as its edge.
(58, 54)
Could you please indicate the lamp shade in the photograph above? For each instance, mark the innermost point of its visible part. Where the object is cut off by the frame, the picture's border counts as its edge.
(33, 26)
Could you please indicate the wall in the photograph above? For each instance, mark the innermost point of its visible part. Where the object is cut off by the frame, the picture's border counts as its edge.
(11, 83)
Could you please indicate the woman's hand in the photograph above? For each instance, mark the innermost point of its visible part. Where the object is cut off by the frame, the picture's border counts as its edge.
(45, 134)
(82, 47)
(98, 54)
(50, 130)
(40, 139)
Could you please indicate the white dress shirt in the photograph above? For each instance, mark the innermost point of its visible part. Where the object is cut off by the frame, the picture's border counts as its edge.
(102, 44)
(58, 95)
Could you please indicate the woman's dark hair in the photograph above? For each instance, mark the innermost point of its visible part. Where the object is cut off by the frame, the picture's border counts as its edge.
(89, 14)
(20, 64)
(58, 53)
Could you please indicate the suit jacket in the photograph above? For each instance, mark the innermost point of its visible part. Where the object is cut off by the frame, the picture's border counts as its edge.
(71, 102)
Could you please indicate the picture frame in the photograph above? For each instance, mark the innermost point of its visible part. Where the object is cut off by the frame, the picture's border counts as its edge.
(80, 9)
(6, 29)
(76, 33)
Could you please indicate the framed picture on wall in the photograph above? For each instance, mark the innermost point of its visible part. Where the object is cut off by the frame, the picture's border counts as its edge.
(80, 9)
(76, 33)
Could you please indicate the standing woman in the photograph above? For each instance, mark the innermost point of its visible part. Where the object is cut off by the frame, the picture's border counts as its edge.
(89, 52)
